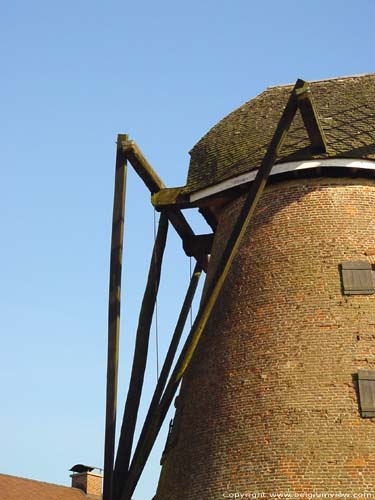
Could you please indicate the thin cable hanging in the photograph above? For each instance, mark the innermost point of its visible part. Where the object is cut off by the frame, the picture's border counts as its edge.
(191, 307)
(156, 313)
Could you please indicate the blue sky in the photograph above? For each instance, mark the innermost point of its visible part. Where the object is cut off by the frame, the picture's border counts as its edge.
(74, 74)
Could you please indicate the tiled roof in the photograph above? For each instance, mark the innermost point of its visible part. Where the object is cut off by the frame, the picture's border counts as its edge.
(19, 488)
(237, 144)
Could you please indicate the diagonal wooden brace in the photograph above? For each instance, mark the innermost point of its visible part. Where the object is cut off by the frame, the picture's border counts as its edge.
(155, 184)
(310, 119)
(167, 365)
(140, 356)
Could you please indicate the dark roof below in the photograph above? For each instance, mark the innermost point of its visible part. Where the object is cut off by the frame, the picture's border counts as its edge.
(237, 144)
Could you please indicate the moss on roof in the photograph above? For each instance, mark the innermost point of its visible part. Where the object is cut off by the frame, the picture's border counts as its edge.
(237, 144)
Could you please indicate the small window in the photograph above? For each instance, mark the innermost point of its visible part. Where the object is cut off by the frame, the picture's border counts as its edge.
(357, 278)
(366, 384)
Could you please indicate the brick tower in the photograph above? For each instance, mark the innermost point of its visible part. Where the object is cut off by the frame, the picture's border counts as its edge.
(280, 394)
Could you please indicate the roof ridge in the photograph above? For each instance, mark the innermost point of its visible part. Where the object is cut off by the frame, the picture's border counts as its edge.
(359, 75)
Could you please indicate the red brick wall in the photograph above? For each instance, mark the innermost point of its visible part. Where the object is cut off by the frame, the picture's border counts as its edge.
(89, 482)
(269, 403)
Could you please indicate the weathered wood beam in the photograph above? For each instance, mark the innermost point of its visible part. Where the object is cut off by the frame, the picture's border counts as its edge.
(175, 198)
(140, 357)
(200, 243)
(155, 184)
(209, 216)
(114, 315)
(170, 197)
(184, 230)
(209, 300)
(311, 120)
(180, 325)
(142, 167)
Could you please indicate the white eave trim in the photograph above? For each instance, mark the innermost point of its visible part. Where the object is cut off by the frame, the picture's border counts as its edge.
(279, 169)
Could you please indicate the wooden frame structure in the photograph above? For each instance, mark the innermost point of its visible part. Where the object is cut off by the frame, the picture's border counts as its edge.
(121, 475)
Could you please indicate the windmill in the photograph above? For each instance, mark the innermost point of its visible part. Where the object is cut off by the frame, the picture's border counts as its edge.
(302, 143)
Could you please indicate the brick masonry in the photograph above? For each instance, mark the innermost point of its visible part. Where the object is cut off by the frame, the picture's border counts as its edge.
(89, 482)
(269, 403)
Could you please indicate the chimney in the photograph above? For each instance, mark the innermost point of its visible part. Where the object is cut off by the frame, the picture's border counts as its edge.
(88, 479)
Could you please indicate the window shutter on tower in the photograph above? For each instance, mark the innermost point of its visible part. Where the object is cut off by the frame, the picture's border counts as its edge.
(366, 384)
(357, 278)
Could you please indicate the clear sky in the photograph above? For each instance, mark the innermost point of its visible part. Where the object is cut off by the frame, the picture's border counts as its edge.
(73, 75)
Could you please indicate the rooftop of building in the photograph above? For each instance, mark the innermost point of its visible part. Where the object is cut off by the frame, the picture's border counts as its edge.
(238, 143)
(17, 488)
(86, 484)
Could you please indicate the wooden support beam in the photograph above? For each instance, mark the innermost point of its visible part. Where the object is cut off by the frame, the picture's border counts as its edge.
(155, 184)
(114, 315)
(184, 230)
(168, 361)
(142, 167)
(175, 198)
(209, 216)
(170, 197)
(311, 120)
(209, 300)
(140, 356)
(200, 243)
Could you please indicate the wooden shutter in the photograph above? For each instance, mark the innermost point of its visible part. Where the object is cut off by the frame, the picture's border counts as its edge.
(357, 278)
(366, 384)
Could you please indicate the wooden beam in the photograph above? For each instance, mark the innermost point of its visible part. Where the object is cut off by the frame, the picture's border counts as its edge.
(170, 197)
(142, 167)
(114, 315)
(167, 363)
(311, 120)
(140, 356)
(209, 216)
(175, 198)
(200, 243)
(184, 230)
(213, 291)
(155, 184)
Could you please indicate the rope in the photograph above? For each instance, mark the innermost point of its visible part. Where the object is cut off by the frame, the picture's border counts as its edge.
(156, 314)
(191, 307)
